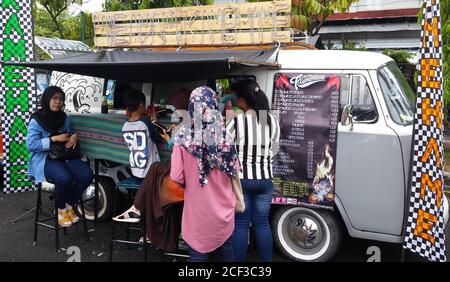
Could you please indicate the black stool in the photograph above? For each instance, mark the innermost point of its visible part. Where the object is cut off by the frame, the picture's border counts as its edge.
(56, 227)
(131, 184)
(170, 212)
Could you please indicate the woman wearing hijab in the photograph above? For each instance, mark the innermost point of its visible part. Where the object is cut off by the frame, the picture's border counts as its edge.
(203, 160)
(71, 177)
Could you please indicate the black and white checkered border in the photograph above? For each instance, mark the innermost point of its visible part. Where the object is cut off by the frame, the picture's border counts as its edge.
(28, 75)
(430, 11)
(422, 134)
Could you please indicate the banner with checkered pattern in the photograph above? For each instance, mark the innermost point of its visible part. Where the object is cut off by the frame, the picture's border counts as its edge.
(17, 91)
(424, 233)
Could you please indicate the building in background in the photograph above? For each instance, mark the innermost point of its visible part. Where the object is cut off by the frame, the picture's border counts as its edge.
(375, 25)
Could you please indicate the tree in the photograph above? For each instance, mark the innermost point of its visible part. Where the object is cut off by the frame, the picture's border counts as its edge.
(310, 15)
(121, 5)
(45, 26)
(399, 56)
(346, 45)
(55, 8)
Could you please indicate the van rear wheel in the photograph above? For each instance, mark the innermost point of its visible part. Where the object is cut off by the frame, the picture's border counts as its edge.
(303, 234)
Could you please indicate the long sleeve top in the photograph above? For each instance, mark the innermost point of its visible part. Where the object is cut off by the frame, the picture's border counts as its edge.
(38, 144)
(208, 213)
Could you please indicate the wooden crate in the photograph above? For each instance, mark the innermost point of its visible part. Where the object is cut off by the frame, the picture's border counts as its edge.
(226, 24)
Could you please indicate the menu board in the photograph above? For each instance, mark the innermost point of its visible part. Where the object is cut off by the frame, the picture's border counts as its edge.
(304, 167)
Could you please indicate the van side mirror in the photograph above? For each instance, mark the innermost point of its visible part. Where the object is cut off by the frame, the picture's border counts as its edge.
(347, 118)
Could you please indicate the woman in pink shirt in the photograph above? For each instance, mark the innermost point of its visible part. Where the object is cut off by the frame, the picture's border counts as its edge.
(203, 160)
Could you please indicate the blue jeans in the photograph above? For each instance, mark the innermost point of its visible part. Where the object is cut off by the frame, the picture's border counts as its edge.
(70, 177)
(258, 198)
(223, 253)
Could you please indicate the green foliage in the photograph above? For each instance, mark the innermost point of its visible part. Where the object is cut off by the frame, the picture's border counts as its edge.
(55, 8)
(310, 15)
(119, 5)
(44, 25)
(399, 56)
(352, 46)
(316, 12)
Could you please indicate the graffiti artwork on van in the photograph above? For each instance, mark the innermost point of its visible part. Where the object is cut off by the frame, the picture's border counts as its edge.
(83, 93)
(323, 183)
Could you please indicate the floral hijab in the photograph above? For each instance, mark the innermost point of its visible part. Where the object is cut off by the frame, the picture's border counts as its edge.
(204, 135)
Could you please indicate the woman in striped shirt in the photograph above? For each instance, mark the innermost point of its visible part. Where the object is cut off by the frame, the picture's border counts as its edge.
(256, 132)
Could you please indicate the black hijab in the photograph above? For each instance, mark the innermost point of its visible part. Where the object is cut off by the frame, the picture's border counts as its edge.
(48, 119)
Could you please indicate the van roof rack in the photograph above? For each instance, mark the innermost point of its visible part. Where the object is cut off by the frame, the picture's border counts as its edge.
(283, 46)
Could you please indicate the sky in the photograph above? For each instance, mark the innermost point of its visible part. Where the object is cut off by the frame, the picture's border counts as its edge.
(90, 6)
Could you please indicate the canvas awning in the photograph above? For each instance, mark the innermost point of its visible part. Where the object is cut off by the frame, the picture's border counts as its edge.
(148, 66)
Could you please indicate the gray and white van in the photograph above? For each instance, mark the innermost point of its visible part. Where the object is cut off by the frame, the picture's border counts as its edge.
(373, 155)
(373, 152)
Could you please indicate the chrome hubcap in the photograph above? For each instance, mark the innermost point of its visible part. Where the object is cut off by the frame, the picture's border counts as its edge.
(89, 193)
(305, 233)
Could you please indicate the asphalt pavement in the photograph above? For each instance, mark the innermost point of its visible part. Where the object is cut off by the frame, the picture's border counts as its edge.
(16, 240)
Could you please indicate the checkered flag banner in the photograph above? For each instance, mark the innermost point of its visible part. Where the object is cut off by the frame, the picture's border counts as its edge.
(17, 91)
(424, 231)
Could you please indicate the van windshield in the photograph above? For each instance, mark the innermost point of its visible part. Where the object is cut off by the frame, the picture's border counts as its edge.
(400, 99)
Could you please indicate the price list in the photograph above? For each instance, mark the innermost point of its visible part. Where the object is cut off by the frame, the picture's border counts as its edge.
(308, 109)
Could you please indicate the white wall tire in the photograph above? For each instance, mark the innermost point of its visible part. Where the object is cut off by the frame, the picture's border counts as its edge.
(105, 195)
(304, 234)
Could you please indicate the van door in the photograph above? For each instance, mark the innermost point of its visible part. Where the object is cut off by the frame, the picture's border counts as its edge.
(369, 167)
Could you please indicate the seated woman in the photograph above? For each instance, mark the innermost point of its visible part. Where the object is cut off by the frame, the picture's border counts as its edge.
(71, 177)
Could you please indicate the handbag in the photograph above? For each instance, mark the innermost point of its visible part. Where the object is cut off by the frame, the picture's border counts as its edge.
(237, 189)
(58, 151)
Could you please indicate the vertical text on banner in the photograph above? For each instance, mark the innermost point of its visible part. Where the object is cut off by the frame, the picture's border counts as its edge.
(425, 226)
(17, 91)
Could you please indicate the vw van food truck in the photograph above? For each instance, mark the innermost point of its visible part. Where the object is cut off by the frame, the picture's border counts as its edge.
(346, 117)
(369, 168)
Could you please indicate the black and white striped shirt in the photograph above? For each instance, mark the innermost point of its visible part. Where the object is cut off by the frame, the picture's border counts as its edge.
(255, 143)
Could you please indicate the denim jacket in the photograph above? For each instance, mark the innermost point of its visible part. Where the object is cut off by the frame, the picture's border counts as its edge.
(38, 144)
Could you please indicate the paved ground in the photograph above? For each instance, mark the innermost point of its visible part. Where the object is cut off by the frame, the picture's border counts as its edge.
(16, 240)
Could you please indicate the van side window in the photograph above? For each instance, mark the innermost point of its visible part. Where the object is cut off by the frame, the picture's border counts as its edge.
(363, 107)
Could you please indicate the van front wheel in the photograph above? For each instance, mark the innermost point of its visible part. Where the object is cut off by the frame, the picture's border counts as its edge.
(304, 234)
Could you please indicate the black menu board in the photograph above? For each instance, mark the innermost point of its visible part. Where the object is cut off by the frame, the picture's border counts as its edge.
(304, 167)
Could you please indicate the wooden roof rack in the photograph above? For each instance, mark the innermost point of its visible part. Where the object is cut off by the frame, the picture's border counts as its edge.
(221, 25)
(284, 46)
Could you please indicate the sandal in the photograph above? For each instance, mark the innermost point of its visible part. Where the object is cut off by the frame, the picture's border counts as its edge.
(141, 240)
(128, 216)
